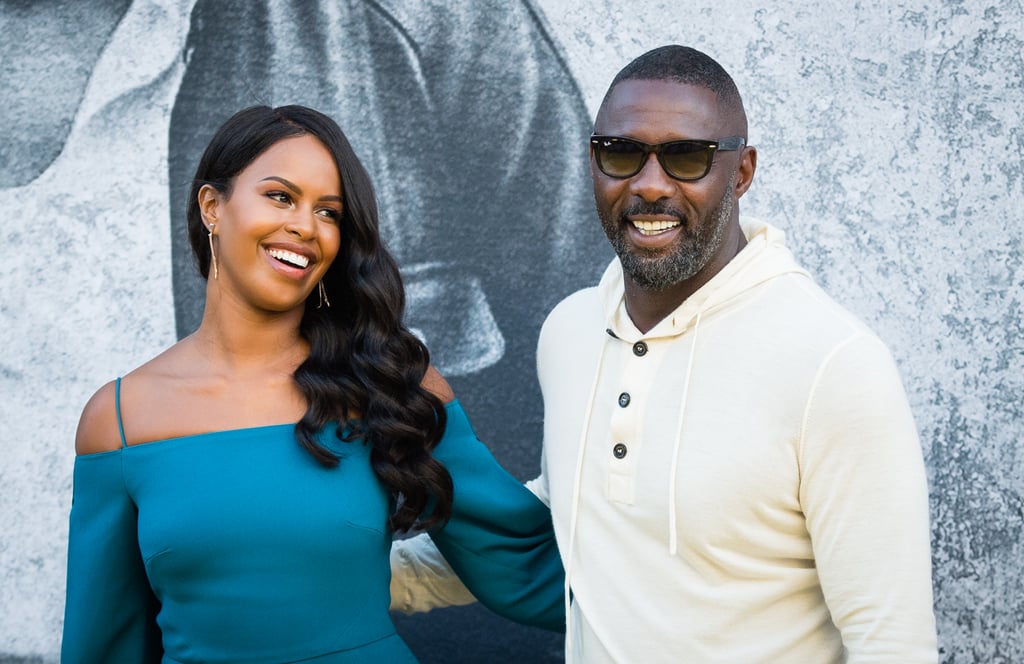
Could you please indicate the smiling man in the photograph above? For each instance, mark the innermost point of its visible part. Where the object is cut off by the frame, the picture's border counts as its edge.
(729, 457)
(673, 225)
(732, 467)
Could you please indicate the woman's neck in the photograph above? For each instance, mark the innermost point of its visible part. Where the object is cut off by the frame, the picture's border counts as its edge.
(239, 341)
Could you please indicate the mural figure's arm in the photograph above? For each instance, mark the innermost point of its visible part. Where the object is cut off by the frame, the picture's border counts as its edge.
(499, 541)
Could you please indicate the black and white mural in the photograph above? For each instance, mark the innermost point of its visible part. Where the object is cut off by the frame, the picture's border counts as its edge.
(890, 148)
(471, 127)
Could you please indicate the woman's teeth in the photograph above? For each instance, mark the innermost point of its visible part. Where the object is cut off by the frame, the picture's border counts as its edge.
(289, 257)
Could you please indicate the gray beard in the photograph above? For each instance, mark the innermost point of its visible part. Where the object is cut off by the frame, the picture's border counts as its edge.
(691, 254)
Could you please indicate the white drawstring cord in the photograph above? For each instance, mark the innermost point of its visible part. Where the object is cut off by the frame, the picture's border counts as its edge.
(674, 468)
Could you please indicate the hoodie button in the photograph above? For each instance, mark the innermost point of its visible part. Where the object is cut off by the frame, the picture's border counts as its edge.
(639, 349)
(619, 451)
(624, 399)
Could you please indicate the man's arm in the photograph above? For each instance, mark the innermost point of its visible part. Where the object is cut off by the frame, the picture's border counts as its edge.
(865, 498)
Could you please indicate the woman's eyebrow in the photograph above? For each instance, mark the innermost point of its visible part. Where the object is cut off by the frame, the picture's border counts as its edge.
(297, 189)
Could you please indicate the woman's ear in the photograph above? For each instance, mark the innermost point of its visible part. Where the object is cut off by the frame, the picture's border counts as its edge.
(209, 203)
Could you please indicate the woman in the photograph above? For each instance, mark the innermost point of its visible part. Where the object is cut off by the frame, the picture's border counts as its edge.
(235, 497)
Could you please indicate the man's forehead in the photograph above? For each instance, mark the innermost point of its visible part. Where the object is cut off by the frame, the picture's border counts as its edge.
(680, 109)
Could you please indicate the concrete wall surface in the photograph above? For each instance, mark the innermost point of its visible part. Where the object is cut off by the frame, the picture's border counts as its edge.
(890, 139)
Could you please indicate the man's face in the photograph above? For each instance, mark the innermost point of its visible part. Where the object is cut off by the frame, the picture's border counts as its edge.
(667, 231)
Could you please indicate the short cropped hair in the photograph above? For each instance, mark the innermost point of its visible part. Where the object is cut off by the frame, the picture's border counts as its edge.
(686, 65)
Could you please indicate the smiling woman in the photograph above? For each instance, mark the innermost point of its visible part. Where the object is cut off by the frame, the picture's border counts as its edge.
(200, 530)
(282, 212)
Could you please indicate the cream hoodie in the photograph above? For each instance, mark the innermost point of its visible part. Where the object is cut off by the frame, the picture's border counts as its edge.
(741, 484)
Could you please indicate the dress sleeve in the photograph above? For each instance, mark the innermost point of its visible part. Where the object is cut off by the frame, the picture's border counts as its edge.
(110, 609)
(499, 539)
(865, 497)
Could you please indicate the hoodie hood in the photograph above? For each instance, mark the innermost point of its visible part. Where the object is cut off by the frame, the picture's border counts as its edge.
(763, 258)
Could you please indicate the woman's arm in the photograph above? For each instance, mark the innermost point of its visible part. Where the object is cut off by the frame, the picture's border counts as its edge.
(110, 610)
(499, 540)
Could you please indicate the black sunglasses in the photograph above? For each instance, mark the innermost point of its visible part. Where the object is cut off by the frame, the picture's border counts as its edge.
(619, 157)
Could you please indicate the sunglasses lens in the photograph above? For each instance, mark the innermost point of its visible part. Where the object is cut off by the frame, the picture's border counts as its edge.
(686, 160)
(619, 158)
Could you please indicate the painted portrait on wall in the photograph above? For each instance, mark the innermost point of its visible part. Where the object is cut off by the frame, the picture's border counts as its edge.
(474, 134)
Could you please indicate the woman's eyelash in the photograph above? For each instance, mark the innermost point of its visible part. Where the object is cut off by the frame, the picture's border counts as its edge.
(285, 197)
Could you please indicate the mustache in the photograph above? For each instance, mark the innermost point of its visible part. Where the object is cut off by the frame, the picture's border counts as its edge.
(655, 208)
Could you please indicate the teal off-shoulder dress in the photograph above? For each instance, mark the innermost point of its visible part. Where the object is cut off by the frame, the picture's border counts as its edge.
(237, 546)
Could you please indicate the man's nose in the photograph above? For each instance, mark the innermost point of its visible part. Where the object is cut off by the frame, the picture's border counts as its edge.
(652, 183)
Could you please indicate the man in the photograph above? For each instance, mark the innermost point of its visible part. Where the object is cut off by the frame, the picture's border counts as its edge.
(732, 468)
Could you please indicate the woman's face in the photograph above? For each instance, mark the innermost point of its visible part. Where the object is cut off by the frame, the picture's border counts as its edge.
(278, 230)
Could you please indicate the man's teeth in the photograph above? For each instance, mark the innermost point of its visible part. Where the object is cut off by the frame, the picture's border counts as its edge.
(289, 257)
(654, 227)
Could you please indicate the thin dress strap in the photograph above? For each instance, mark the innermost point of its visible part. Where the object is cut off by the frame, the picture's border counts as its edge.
(117, 407)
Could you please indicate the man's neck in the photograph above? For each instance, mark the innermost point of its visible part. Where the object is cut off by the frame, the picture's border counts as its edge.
(647, 308)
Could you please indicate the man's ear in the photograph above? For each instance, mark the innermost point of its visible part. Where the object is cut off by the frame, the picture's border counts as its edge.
(209, 204)
(745, 173)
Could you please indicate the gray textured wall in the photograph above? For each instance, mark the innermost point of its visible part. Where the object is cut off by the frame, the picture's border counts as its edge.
(890, 140)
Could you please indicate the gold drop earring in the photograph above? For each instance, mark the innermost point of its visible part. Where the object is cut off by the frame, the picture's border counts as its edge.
(213, 253)
(323, 296)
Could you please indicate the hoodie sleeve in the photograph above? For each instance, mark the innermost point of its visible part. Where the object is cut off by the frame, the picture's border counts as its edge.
(421, 579)
(865, 498)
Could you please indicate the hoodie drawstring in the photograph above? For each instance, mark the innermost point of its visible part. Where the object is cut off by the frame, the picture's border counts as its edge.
(673, 537)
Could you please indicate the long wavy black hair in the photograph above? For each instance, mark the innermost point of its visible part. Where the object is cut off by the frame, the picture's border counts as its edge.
(362, 358)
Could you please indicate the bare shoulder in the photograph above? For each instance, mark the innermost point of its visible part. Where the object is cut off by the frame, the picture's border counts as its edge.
(435, 383)
(97, 428)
